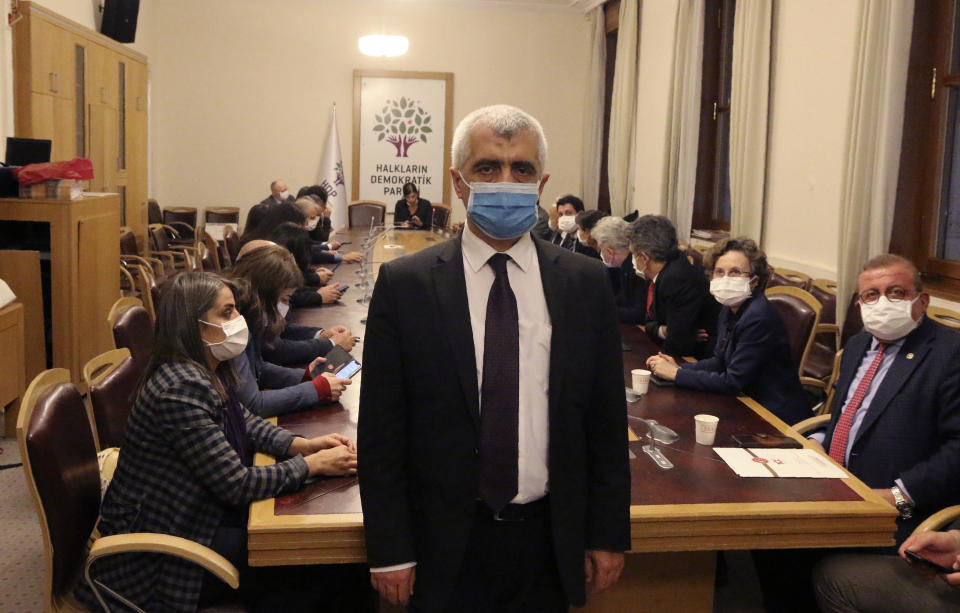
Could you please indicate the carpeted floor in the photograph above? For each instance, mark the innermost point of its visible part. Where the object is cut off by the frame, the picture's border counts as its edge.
(22, 568)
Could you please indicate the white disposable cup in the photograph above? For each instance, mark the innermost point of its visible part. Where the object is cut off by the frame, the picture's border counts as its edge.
(641, 380)
(706, 428)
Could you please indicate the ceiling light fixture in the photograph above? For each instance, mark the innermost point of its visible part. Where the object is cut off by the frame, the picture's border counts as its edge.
(377, 45)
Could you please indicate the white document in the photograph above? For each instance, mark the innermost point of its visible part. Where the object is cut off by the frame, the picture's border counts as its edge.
(216, 230)
(779, 463)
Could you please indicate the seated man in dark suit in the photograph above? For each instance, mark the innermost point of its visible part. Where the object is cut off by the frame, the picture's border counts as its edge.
(612, 238)
(681, 315)
(563, 221)
(278, 193)
(896, 412)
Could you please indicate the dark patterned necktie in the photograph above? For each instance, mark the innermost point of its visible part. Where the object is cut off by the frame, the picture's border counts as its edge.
(500, 392)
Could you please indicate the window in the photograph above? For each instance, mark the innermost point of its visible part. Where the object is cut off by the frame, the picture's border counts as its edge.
(711, 202)
(611, 13)
(927, 215)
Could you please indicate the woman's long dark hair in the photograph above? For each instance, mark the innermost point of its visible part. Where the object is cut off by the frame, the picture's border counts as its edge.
(296, 239)
(267, 271)
(184, 301)
(272, 216)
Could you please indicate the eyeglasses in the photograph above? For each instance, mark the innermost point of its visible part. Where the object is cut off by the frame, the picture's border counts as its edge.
(893, 294)
(719, 273)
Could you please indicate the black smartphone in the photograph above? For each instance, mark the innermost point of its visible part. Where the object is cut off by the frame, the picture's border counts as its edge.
(916, 557)
(661, 382)
(762, 439)
(336, 358)
(343, 287)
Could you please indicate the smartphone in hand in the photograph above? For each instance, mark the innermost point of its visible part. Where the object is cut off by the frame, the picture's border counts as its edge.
(916, 557)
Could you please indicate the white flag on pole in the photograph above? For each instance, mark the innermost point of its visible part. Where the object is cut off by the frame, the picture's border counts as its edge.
(331, 175)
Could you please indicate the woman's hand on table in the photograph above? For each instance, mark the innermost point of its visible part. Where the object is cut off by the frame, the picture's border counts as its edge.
(335, 461)
(325, 274)
(306, 446)
(329, 332)
(334, 245)
(345, 339)
(664, 366)
(337, 385)
(353, 256)
(329, 293)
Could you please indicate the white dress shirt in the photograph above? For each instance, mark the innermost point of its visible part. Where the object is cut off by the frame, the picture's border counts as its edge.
(523, 271)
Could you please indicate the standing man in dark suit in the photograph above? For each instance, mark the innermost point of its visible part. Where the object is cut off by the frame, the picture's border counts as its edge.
(896, 415)
(500, 481)
(681, 315)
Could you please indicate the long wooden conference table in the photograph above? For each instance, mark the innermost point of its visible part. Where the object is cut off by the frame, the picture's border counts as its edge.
(679, 517)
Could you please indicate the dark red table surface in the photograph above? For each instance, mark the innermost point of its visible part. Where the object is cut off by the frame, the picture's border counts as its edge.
(698, 476)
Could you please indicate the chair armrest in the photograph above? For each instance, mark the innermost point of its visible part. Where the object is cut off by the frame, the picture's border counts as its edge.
(810, 423)
(813, 382)
(822, 328)
(151, 542)
(938, 520)
(181, 224)
(126, 273)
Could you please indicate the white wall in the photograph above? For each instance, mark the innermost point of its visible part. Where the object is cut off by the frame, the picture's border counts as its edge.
(241, 97)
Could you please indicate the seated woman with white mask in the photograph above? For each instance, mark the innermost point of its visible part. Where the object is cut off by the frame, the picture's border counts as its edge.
(752, 355)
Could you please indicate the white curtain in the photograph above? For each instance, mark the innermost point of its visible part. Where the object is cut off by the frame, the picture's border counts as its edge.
(749, 96)
(873, 138)
(683, 127)
(593, 110)
(623, 111)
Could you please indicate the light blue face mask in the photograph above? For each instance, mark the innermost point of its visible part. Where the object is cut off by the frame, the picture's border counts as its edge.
(503, 210)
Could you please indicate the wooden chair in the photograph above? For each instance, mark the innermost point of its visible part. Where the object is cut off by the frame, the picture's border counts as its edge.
(820, 361)
(852, 323)
(939, 520)
(695, 257)
(59, 458)
(949, 318)
(785, 276)
(144, 286)
(366, 213)
(441, 216)
(185, 258)
(222, 214)
(210, 258)
(231, 242)
(183, 219)
(801, 314)
(132, 329)
(154, 215)
(130, 253)
(111, 380)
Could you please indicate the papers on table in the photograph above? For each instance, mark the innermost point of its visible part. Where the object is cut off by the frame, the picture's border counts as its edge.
(216, 230)
(779, 463)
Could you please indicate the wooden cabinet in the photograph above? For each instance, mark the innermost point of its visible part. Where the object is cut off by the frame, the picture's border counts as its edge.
(84, 279)
(12, 383)
(88, 94)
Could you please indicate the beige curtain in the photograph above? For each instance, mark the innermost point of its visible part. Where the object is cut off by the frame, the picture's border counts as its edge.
(593, 110)
(623, 110)
(873, 138)
(749, 95)
(683, 119)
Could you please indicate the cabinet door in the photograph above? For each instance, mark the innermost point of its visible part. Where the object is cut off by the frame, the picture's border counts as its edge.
(102, 146)
(102, 75)
(52, 57)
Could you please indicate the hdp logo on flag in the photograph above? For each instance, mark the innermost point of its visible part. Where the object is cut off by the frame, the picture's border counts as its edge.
(331, 175)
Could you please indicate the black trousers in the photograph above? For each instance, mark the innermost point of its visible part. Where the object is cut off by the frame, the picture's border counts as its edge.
(341, 588)
(508, 567)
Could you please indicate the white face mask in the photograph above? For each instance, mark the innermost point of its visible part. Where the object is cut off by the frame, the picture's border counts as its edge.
(730, 291)
(567, 223)
(889, 321)
(312, 223)
(235, 342)
(284, 308)
(638, 270)
(284, 194)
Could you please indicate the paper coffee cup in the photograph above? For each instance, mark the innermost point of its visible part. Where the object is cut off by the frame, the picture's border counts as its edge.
(641, 380)
(706, 428)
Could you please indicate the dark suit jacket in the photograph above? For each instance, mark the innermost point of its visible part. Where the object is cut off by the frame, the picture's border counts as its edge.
(401, 212)
(569, 242)
(420, 438)
(269, 200)
(912, 427)
(752, 358)
(682, 302)
(296, 346)
(630, 291)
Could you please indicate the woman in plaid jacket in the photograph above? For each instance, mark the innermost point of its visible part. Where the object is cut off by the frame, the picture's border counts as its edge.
(186, 462)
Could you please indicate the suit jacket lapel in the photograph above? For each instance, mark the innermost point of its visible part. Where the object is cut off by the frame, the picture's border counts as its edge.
(450, 293)
(916, 347)
(556, 293)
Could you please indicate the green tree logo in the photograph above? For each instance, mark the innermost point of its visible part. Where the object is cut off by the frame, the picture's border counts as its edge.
(402, 123)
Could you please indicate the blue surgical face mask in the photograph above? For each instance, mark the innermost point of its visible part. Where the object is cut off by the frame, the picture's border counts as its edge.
(503, 210)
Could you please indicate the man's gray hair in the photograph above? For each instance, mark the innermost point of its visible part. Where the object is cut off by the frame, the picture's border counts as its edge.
(612, 232)
(654, 235)
(505, 121)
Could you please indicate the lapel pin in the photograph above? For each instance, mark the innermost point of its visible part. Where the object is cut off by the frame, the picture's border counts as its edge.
(910, 356)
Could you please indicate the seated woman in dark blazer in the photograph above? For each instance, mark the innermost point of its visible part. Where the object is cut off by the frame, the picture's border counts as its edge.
(317, 289)
(265, 278)
(752, 356)
(412, 211)
(187, 463)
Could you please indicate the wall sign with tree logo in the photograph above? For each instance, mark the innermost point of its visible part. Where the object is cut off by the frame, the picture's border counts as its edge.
(402, 126)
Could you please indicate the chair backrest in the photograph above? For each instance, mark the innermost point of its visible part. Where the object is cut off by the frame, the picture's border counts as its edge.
(800, 313)
(211, 256)
(60, 463)
(133, 330)
(785, 276)
(852, 323)
(128, 242)
(366, 213)
(232, 242)
(695, 257)
(825, 291)
(222, 214)
(949, 318)
(153, 212)
(159, 241)
(831, 384)
(184, 217)
(111, 379)
(441, 216)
